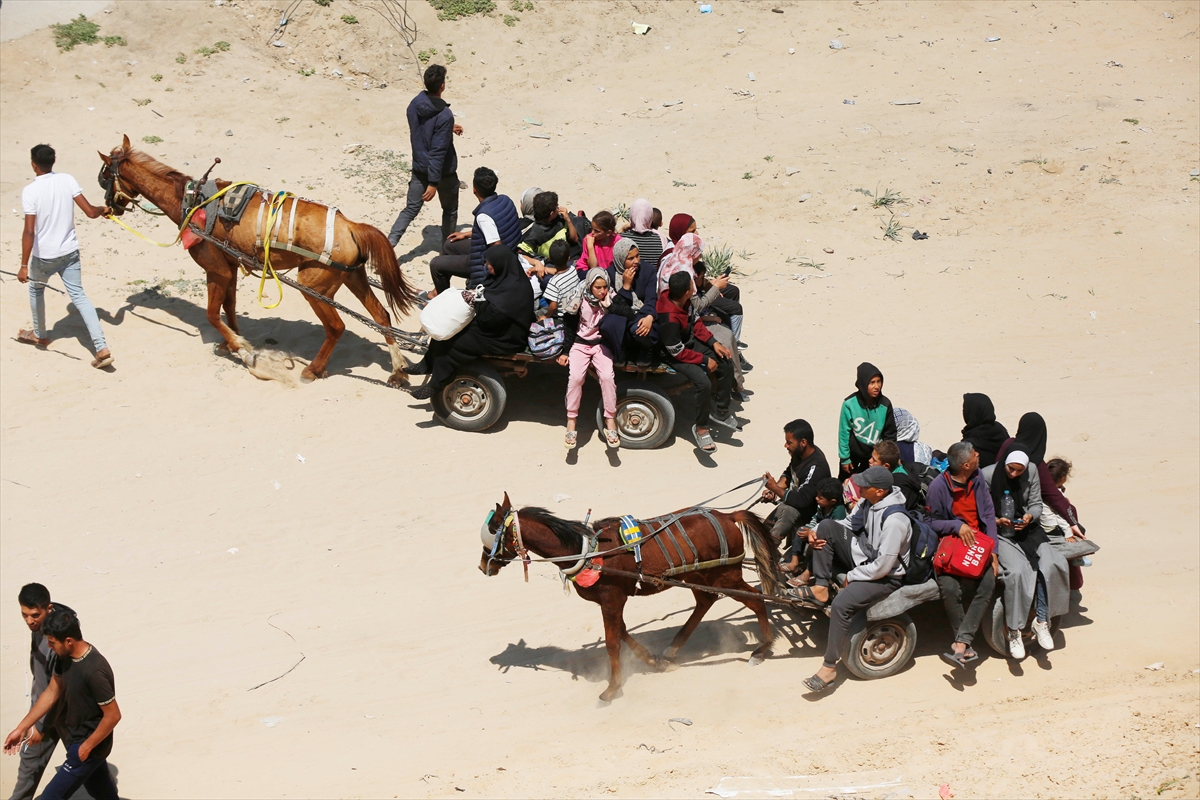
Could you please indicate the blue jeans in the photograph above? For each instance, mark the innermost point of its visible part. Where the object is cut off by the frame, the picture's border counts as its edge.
(68, 268)
(1042, 600)
(92, 774)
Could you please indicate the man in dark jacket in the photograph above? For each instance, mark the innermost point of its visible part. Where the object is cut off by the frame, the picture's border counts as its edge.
(695, 355)
(961, 505)
(431, 129)
(797, 486)
(496, 220)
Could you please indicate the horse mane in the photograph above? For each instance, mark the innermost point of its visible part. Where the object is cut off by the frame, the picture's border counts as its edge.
(156, 167)
(570, 534)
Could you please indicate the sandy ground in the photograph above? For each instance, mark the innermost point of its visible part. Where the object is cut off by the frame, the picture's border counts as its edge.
(211, 528)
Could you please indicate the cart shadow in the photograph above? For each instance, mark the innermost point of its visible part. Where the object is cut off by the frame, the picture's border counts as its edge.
(299, 338)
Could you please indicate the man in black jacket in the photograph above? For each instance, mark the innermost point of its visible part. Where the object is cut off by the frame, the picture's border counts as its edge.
(431, 129)
(796, 489)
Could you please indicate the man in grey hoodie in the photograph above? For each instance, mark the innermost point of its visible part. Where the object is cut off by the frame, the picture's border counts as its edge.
(431, 129)
(871, 545)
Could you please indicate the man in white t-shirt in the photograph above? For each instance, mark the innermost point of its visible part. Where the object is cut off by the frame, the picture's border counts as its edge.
(49, 247)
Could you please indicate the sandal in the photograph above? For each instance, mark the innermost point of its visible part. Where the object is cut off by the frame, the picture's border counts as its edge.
(612, 438)
(100, 362)
(703, 441)
(796, 582)
(815, 685)
(26, 336)
(571, 439)
(806, 597)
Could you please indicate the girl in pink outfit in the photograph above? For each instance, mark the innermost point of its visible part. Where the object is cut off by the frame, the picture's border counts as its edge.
(598, 245)
(588, 350)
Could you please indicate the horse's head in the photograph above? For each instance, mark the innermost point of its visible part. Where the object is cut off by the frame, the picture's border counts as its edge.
(499, 546)
(117, 192)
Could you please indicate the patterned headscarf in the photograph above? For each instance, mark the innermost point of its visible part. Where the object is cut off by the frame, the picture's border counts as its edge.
(681, 259)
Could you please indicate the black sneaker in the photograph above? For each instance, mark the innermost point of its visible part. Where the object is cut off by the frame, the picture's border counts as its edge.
(746, 365)
(418, 368)
(422, 392)
(743, 346)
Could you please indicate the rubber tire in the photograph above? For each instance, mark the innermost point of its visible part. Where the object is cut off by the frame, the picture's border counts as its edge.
(647, 397)
(488, 386)
(993, 626)
(861, 632)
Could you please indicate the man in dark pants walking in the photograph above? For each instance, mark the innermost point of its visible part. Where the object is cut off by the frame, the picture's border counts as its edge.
(431, 129)
(83, 682)
(37, 750)
(869, 545)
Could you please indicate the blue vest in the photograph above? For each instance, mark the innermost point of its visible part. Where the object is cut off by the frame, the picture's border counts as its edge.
(502, 211)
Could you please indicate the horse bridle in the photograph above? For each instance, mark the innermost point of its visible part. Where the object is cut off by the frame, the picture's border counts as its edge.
(511, 525)
(115, 196)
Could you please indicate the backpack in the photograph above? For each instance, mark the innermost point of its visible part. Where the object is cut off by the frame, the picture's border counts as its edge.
(922, 546)
(925, 475)
(546, 338)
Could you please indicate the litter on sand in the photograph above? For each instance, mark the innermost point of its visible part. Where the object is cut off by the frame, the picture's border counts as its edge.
(670, 103)
(790, 171)
(271, 722)
(680, 720)
(944, 791)
(848, 102)
(531, 121)
(640, 29)
(835, 45)
(750, 75)
(706, 9)
(1156, 666)
(992, 39)
(805, 197)
(539, 136)
(911, 101)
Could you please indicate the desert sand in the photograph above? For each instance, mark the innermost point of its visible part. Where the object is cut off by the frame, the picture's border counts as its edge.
(213, 529)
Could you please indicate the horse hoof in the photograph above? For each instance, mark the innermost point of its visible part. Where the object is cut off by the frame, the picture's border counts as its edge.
(758, 658)
(667, 664)
(248, 357)
(308, 376)
(398, 380)
(608, 696)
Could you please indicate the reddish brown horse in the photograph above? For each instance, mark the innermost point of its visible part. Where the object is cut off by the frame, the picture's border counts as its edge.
(130, 173)
(538, 531)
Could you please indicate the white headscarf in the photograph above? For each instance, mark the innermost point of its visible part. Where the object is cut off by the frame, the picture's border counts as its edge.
(1017, 457)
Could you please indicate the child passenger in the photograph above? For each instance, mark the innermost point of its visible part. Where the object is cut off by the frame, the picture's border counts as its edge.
(563, 281)
(585, 348)
(598, 245)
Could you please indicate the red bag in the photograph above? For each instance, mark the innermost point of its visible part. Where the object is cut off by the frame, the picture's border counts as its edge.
(953, 557)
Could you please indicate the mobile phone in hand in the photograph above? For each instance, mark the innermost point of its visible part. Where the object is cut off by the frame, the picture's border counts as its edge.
(725, 274)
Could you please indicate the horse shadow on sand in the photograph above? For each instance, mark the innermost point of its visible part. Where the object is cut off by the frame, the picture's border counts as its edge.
(729, 638)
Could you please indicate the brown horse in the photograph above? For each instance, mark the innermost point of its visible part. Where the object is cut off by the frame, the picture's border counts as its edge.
(539, 532)
(128, 173)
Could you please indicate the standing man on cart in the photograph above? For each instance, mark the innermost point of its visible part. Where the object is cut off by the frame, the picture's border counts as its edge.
(431, 129)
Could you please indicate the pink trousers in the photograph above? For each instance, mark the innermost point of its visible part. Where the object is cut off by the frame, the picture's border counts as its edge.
(597, 356)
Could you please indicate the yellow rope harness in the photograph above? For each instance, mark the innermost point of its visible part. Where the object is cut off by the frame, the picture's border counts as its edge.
(274, 208)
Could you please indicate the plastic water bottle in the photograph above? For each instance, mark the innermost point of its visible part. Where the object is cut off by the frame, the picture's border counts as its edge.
(1008, 507)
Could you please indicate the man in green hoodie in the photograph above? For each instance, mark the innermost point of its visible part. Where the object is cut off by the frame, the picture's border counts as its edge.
(866, 418)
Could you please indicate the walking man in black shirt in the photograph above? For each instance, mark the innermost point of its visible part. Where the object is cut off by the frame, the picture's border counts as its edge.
(34, 600)
(83, 682)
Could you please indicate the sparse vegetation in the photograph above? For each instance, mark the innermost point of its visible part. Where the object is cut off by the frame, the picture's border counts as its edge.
(152, 139)
(155, 77)
(682, 183)
(376, 172)
(282, 119)
(621, 211)
(449, 58)
(306, 72)
(747, 176)
(181, 59)
(323, 3)
(518, 5)
(144, 102)
(1038, 159)
(1109, 179)
(510, 20)
(892, 228)
(80, 30)
(720, 257)
(768, 159)
(425, 55)
(886, 200)
(349, 19)
(457, 9)
(1131, 120)
(807, 262)
(110, 41)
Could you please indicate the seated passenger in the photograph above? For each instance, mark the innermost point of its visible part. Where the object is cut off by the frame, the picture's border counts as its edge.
(631, 323)
(1030, 567)
(805, 542)
(871, 545)
(500, 326)
(564, 279)
(908, 435)
(960, 505)
(866, 418)
(981, 428)
(584, 348)
(650, 245)
(796, 489)
(1066, 526)
(886, 453)
(496, 221)
(550, 223)
(598, 245)
(695, 355)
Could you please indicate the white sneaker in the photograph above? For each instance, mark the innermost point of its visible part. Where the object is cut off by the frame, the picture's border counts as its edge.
(1016, 647)
(1042, 631)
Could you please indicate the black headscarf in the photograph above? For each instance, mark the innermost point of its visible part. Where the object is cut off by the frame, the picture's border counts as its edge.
(509, 290)
(867, 371)
(1031, 432)
(982, 430)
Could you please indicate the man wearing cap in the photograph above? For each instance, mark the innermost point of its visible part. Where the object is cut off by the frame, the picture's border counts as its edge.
(871, 545)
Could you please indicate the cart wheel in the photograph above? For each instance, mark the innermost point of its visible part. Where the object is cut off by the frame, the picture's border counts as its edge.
(645, 416)
(993, 627)
(879, 649)
(473, 400)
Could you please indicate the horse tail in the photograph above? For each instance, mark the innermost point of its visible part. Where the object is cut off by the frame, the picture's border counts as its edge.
(764, 553)
(379, 254)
